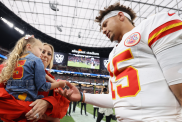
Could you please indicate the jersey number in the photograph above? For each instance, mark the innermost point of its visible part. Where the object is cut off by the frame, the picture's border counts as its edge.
(129, 87)
(18, 72)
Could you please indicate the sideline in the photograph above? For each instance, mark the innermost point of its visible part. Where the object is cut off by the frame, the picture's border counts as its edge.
(82, 118)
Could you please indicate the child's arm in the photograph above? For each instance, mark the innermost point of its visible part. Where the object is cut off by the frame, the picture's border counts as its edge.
(61, 84)
(48, 78)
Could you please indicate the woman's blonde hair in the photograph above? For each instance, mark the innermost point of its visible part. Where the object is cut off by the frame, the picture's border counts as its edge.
(51, 63)
(13, 57)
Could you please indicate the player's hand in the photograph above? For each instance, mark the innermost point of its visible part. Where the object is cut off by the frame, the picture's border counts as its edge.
(39, 107)
(72, 94)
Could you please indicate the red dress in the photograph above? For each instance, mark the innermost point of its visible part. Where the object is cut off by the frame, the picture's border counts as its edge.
(12, 109)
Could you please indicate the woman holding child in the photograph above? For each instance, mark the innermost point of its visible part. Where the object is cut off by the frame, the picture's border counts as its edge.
(49, 108)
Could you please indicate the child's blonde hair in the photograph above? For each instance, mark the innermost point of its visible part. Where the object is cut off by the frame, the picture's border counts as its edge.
(13, 57)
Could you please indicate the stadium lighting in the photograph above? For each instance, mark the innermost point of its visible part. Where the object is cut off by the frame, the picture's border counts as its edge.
(7, 22)
(19, 30)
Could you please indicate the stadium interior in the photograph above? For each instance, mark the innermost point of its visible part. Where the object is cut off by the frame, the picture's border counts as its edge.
(62, 24)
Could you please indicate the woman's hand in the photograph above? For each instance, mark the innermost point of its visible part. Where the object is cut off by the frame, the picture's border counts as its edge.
(39, 108)
(72, 94)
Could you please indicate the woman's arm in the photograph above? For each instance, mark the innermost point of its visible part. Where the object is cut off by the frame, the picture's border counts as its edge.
(39, 106)
(55, 106)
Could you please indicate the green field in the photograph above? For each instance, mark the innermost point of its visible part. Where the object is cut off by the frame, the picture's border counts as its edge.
(67, 119)
(78, 64)
(89, 110)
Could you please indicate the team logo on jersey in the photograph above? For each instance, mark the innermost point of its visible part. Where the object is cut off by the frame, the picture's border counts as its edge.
(59, 58)
(132, 40)
(105, 63)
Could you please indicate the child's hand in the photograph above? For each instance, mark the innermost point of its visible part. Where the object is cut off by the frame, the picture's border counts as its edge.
(62, 83)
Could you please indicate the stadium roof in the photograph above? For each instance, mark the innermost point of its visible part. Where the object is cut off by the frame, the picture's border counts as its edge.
(72, 21)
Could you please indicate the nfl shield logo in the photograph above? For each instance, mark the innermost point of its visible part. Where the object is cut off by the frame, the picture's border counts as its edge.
(59, 58)
(105, 63)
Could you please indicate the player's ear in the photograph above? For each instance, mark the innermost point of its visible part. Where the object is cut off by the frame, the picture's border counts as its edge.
(121, 16)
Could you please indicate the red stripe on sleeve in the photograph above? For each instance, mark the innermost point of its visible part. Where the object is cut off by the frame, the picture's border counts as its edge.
(164, 34)
(163, 26)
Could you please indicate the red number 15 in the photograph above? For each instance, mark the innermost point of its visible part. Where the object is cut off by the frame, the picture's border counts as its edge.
(132, 86)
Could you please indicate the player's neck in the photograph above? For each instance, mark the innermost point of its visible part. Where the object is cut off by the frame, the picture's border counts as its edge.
(124, 31)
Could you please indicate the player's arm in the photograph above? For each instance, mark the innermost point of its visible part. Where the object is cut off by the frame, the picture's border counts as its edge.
(177, 91)
(168, 58)
(101, 100)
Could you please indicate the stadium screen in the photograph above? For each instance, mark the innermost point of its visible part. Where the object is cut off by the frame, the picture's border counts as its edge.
(85, 61)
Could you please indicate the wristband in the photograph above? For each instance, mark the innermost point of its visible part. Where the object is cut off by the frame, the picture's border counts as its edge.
(81, 97)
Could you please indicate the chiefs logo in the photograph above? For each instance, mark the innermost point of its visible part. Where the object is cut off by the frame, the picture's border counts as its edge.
(132, 40)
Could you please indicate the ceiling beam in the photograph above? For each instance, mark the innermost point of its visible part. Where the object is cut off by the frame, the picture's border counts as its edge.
(30, 1)
(54, 15)
(77, 36)
(139, 2)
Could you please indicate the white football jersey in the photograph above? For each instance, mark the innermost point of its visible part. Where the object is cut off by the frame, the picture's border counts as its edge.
(138, 87)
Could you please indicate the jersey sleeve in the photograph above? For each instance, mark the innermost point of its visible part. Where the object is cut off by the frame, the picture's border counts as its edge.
(100, 100)
(40, 80)
(162, 26)
(159, 26)
(165, 39)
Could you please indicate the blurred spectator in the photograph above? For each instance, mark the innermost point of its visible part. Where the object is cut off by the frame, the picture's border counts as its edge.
(4, 51)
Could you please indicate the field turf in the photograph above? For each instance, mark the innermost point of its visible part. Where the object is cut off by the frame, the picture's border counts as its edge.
(89, 110)
(77, 64)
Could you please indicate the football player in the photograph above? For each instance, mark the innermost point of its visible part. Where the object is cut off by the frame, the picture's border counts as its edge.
(145, 66)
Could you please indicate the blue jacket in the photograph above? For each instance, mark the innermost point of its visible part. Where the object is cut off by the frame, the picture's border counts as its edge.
(28, 78)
